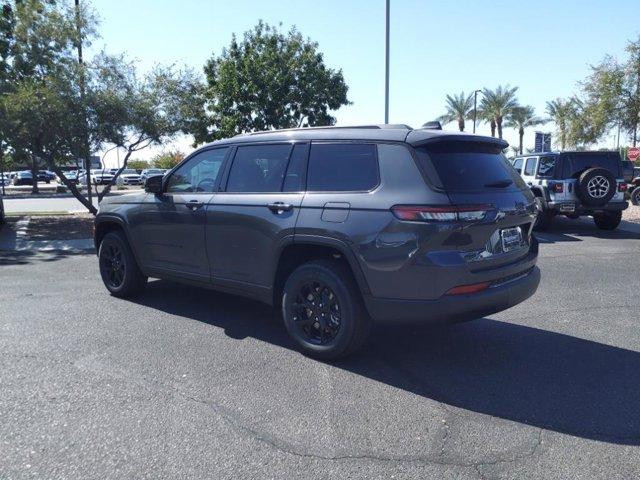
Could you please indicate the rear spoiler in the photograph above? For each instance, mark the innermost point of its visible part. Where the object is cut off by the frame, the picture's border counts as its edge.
(421, 137)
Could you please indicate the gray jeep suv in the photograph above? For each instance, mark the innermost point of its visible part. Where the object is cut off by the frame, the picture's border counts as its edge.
(338, 227)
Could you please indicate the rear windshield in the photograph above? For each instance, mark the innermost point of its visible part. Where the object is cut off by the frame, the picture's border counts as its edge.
(576, 163)
(466, 166)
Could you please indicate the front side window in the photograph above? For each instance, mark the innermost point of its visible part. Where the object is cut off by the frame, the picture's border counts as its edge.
(517, 164)
(259, 168)
(199, 174)
(342, 167)
(530, 167)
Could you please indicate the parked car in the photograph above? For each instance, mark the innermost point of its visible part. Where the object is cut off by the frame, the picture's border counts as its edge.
(130, 177)
(72, 176)
(23, 178)
(5, 179)
(634, 186)
(150, 172)
(338, 227)
(576, 184)
(46, 176)
(98, 177)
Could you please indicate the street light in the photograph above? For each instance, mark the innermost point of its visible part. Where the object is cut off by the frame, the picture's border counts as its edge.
(386, 73)
(475, 108)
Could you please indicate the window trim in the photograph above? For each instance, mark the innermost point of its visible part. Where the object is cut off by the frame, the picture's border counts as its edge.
(165, 180)
(343, 142)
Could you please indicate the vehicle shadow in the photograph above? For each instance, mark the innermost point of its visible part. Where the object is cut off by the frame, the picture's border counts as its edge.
(567, 230)
(537, 377)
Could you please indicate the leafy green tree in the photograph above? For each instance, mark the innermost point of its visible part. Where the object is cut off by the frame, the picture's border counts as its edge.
(612, 96)
(563, 113)
(458, 109)
(139, 164)
(496, 105)
(268, 80)
(168, 159)
(521, 118)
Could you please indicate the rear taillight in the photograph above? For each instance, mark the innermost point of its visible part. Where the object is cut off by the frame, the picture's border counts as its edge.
(558, 187)
(444, 213)
(622, 187)
(466, 289)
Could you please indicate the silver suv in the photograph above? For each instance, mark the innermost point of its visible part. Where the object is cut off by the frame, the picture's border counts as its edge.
(337, 227)
(575, 184)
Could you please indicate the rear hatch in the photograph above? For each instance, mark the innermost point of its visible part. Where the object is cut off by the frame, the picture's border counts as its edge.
(478, 178)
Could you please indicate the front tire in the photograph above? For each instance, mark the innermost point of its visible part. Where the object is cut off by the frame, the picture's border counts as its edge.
(635, 196)
(118, 268)
(323, 310)
(607, 220)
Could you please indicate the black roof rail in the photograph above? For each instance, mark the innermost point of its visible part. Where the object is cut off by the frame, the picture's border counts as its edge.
(399, 126)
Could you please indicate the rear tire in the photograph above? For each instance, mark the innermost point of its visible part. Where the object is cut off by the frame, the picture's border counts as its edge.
(323, 310)
(118, 267)
(543, 220)
(607, 220)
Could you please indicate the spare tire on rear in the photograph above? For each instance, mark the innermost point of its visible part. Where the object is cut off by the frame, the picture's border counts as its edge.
(596, 186)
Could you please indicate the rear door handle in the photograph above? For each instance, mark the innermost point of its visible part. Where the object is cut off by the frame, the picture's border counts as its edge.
(194, 204)
(279, 207)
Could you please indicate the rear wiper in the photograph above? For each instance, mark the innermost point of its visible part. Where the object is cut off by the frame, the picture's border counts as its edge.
(499, 184)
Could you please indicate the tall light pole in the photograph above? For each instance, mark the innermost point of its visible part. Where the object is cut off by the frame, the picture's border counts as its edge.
(386, 73)
(475, 108)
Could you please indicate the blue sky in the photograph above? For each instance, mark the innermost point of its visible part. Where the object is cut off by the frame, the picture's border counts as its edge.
(437, 47)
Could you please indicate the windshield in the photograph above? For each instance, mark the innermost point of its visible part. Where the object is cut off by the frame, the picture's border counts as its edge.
(467, 166)
(129, 172)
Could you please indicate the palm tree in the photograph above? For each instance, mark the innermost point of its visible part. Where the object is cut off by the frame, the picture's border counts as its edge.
(521, 118)
(496, 105)
(459, 108)
(561, 112)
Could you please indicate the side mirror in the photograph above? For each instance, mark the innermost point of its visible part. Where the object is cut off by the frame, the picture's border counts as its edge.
(153, 184)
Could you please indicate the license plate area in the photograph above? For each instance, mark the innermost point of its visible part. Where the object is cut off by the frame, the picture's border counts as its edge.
(511, 239)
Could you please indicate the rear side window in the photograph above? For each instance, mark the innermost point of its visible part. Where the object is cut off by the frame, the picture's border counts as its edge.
(576, 163)
(546, 167)
(259, 168)
(468, 166)
(530, 166)
(342, 167)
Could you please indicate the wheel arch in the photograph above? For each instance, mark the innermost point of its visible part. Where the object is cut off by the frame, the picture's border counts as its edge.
(310, 247)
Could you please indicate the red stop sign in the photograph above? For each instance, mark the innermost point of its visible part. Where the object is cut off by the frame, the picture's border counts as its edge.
(633, 153)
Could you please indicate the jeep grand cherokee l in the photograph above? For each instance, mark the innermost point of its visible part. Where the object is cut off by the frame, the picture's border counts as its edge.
(338, 227)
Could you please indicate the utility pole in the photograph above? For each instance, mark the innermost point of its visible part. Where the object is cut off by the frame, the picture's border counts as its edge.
(475, 108)
(85, 139)
(386, 73)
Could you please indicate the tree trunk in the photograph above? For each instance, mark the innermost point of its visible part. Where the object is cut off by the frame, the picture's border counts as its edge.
(521, 135)
(107, 189)
(499, 125)
(493, 128)
(34, 173)
(461, 124)
(74, 190)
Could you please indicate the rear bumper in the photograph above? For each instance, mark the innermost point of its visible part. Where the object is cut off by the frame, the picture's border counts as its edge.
(577, 208)
(458, 308)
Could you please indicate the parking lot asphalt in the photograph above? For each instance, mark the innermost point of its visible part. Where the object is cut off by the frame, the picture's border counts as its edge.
(189, 383)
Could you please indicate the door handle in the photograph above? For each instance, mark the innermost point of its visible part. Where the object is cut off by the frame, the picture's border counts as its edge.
(194, 204)
(279, 207)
